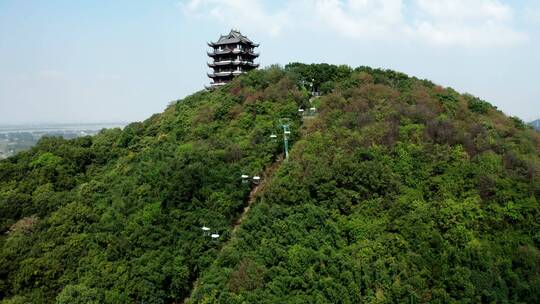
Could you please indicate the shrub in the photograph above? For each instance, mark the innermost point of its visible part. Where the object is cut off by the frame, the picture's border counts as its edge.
(477, 105)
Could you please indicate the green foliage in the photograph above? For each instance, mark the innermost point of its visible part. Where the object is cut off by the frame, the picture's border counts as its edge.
(518, 123)
(323, 76)
(79, 294)
(116, 218)
(446, 95)
(477, 105)
(396, 191)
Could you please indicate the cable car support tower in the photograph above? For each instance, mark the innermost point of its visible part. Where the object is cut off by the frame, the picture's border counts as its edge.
(285, 123)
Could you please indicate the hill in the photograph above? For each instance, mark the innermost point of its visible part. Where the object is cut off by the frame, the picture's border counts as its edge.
(535, 124)
(397, 190)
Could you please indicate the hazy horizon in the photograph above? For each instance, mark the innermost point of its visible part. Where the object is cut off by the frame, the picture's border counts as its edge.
(60, 124)
(122, 61)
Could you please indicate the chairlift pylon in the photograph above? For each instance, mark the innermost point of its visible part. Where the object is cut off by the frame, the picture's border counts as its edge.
(285, 124)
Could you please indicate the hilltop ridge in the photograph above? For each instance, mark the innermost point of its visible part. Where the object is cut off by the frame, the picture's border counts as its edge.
(396, 190)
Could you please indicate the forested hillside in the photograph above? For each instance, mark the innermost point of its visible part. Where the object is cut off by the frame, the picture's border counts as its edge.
(396, 190)
(117, 218)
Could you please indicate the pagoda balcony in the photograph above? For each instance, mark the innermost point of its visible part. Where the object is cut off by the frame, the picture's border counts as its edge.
(219, 63)
(251, 54)
(213, 44)
(245, 52)
(214, 85)
(219, 52)
(219, 74)
(232, 62)
(231, 51)
(245, 62)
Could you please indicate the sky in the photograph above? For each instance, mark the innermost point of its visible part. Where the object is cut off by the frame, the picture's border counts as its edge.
(96, 61)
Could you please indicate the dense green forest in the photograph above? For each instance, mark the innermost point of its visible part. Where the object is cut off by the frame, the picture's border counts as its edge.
(396, 191)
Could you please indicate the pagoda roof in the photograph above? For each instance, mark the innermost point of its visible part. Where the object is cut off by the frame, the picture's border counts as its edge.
(233, 37)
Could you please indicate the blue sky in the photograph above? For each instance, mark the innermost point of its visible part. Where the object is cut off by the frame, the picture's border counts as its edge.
(103, 61)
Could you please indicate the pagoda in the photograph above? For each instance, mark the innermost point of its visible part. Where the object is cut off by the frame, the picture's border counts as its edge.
(231, 55)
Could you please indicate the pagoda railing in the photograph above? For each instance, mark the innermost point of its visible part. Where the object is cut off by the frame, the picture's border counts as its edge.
(222, 62)
(219, 74)
(233, 62)
(228, 51)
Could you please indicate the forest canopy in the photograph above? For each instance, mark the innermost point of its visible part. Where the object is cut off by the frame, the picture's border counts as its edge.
(396, 190)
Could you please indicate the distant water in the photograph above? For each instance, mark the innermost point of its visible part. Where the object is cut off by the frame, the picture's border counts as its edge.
(53, 128)
(14, 139)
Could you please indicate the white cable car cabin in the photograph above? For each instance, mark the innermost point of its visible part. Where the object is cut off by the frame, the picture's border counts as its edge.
(256, 180)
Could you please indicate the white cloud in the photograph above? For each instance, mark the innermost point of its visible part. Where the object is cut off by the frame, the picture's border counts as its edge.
(453, 34)
(361, 18)
(238, 14)
(446, 23)
(465, 10)
(479, 23)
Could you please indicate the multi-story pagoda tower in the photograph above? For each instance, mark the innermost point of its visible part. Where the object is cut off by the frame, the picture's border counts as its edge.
(231, 56)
